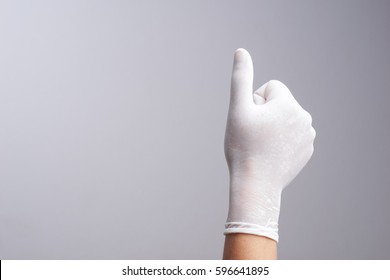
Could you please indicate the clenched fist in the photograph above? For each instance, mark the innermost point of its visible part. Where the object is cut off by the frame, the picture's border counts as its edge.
(269, 139)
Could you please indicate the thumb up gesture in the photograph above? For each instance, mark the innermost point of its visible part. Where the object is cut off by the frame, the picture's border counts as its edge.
(269, 139)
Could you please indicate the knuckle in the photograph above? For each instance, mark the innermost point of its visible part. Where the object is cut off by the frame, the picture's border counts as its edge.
(313, 133)
(275, 83)
(308, 119)
(311, 151)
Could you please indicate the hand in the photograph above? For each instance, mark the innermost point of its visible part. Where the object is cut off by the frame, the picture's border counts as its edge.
(269, 139)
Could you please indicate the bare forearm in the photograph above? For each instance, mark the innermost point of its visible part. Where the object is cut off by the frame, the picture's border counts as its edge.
(239, 246)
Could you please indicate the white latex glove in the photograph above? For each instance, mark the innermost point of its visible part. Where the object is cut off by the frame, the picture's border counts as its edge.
(269, 139)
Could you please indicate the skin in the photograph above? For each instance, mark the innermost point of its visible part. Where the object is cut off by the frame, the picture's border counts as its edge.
(241, 246)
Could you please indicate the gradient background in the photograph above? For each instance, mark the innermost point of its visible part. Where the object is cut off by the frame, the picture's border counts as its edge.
(113, 113)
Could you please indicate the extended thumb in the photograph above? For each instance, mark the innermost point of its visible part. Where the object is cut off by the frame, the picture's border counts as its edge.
(241, 91)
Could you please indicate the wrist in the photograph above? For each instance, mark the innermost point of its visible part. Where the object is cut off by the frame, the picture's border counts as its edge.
(259, 184)
(254, 205)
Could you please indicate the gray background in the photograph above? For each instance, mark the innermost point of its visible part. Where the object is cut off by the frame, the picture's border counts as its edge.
(112, 118)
